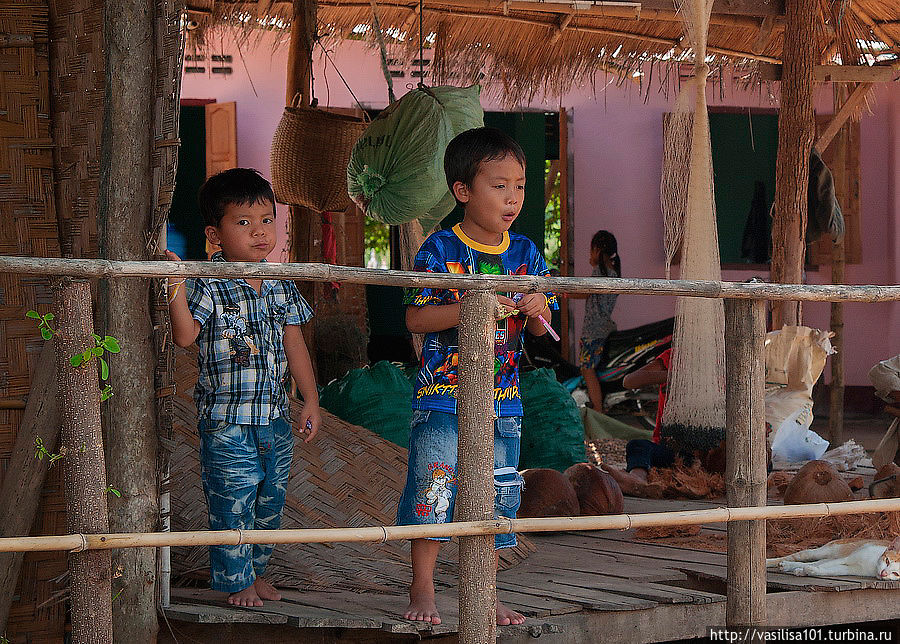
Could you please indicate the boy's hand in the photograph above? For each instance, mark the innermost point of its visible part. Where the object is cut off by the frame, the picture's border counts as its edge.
(310, 421)
(172, 257)
(505, 306)
(532, 305)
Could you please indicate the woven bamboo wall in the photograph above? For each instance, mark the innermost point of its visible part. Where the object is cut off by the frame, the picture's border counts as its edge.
(27, 227)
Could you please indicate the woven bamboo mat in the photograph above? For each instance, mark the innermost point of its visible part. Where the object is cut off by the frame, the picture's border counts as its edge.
(347, 476)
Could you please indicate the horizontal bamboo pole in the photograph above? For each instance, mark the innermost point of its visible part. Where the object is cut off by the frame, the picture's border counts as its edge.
(508, 283)
(380, 534)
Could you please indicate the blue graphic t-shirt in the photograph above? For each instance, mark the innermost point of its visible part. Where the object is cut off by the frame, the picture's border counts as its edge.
(452, 251)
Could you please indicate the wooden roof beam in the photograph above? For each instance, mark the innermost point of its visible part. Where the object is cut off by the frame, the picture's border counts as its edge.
(563, 23)
(853, 102)
(757, 8)
(625, 12)
(837, 73)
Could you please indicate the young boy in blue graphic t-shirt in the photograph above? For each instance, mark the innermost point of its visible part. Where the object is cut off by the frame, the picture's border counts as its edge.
(485, 170)
(248, 333)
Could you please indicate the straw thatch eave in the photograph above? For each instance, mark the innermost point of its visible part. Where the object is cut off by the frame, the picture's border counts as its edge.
(521, 49)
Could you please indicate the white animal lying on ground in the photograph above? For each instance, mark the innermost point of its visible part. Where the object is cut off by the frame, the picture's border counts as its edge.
(878, 558)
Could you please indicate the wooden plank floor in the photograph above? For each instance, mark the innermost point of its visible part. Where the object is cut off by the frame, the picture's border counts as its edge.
(572, 576)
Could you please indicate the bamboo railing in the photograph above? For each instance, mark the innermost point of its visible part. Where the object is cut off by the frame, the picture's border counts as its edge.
(745, 477)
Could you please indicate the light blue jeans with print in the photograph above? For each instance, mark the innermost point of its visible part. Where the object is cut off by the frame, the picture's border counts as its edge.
(430, 493)
(245, 471)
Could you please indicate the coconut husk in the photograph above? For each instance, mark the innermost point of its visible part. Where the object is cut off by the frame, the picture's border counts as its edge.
(597, 491)
(787, 536)
(667, 531)
(606, 451)
(817, 482)
(886, 484)
(777, 483)
(685, 482)
(547, 493)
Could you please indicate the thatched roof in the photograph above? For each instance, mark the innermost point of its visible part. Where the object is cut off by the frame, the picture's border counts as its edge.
(526, 47)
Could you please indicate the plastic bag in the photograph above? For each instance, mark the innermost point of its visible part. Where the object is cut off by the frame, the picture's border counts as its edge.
(794, 443)
(396, 169)
(795, 358)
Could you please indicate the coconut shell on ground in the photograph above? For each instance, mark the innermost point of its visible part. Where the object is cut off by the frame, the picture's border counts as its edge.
(597, 491)
(547, 493)
(886, 482)
(817, 482)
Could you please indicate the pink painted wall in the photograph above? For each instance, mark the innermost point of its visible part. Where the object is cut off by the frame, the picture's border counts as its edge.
(617, 148)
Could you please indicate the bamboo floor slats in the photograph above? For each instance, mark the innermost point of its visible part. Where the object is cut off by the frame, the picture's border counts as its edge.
(571, 574)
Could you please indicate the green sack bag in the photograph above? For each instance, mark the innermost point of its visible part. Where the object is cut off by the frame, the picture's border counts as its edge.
(378, 398)
(552, 431)
(396, 169)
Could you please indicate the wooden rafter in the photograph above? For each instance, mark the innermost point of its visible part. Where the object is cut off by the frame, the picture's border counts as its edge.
(563, 23)
(853, 102)
(837, 73)
(764, 35)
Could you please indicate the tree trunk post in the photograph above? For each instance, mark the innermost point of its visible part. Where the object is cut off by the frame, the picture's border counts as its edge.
(745, 469)
(838, 263)
(305, 225)
(475, 467)
(25, 475)
(81, 443)
(125, 205)
(796, 127)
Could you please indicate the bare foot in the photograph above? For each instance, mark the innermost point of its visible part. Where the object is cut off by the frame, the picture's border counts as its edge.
(631, 484)
(247, 598)
(265, 590)
(507, 616)
(421, 606)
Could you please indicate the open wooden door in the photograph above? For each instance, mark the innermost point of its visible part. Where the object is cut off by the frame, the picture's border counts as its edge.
(221, 137)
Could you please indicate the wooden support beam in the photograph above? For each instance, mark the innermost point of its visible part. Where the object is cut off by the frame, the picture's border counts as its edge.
(563, 23)
(305, 225)
(764, 35)
(796, 126)
(125, 202)
(81, 443)
(25, 473)
(745, 469)
(475, 467)
(838, 263)
(853, 103)
(836, 73)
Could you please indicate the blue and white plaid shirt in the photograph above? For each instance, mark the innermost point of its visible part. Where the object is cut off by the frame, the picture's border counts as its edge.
(243, 365)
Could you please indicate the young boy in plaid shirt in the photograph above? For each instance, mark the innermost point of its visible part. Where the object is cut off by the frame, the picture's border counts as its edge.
(248, 333)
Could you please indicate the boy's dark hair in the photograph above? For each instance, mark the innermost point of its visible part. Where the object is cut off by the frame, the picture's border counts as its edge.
(468, 150)
(241, 186)
(605, 242)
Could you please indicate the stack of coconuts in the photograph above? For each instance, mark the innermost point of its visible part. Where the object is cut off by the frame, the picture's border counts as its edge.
(582, 490)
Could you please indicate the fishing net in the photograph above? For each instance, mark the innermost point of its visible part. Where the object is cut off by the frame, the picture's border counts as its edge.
(396, 169)
(694, 417)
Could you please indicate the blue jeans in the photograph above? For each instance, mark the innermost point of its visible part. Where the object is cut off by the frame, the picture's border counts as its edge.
(646, 454)
(431, 481)
(245, 471)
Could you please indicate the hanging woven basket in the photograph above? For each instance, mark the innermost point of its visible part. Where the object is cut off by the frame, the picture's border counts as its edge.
(310, 152)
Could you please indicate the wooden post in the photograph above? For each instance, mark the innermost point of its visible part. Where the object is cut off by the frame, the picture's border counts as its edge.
(81, 444)
(566, 245)
(475, 467)
(305, 225)
(838, 262)
(796, 126)
(125, 203)
(745, 469)
(25, 474)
